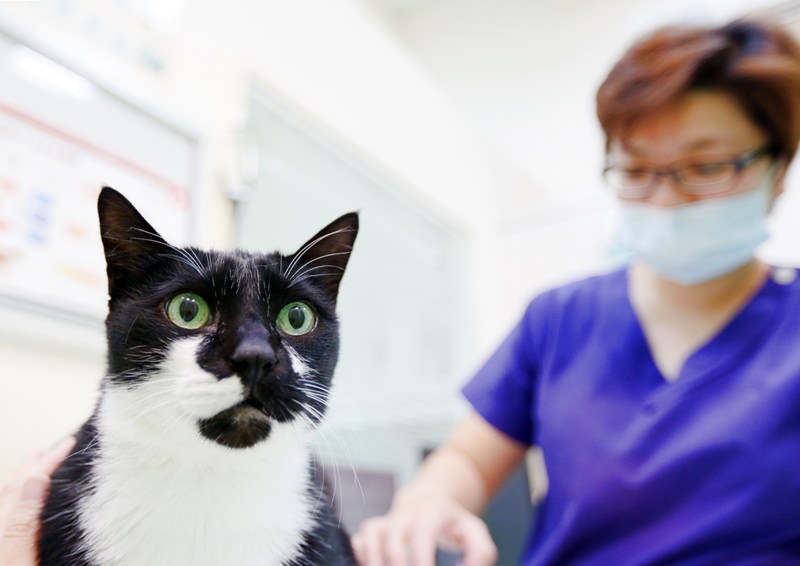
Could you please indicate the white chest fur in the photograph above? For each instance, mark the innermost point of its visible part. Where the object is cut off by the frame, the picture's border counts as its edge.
(162, 495)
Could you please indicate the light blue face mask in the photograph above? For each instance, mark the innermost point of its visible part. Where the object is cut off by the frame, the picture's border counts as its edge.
(695, 242)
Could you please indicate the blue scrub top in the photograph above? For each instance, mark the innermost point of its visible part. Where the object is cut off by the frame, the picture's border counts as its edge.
(702, 470)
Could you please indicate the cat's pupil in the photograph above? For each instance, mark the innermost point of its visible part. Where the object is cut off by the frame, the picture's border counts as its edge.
(189, 309)
(296, 317)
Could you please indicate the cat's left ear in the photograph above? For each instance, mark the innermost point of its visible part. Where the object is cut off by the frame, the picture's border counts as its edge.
(132, 246)
(324, 257)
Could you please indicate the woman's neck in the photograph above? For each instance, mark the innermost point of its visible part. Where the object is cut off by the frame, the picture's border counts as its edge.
(677, 319)
(650, 288)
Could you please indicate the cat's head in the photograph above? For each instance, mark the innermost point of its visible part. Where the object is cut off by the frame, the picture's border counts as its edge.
(232, 343)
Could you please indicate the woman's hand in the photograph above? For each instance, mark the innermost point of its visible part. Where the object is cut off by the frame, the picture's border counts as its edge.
(439, 506)
(417, 523)
(21, 501)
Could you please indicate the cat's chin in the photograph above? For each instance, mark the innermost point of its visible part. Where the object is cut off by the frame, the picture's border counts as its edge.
(240, 426)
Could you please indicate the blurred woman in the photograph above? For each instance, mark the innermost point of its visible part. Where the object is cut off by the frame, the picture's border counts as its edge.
(665, 396)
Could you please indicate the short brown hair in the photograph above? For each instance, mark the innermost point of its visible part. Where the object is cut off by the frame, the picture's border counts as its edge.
(756, 62)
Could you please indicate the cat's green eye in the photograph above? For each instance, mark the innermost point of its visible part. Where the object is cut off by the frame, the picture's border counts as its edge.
(296, 319)
(189, 311)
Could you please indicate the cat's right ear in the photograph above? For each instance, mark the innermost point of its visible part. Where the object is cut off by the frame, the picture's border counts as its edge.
(131, 245)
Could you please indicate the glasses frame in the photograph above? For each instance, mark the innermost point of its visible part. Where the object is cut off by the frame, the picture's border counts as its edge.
(678, 184)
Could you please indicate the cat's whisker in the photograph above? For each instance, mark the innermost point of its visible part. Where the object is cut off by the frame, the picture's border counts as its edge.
(154, 409)
(143, 352)
(310, 385)
(313, 387)
(310, 245)
(195, 256)
(155, 400)
(310, 270)
(307, 387)
(167, 428)
(313, 384)
(89, 445)
(165, 395)
(319, 403)
(188, 262)
(147, 400)
(189, 252)
(306, 277)
(337, 478)
(132, 378)
(321, 488)
(299, 255)
(185, 255)
(314, 397)
(128, 334)
(137, 377)
(145, 358)
(313, 411)
(320, 484)
(268, 296)
(56, 516)
(349, 457)
(322, 393)
(303, 268)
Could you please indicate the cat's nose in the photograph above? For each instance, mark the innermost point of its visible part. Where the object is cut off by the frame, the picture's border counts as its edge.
(252, 358)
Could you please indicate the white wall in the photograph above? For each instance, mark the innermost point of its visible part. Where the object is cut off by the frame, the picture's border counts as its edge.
(49, 377)
(525, 74)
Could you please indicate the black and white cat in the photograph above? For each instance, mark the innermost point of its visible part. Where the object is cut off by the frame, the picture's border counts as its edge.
(219, 368)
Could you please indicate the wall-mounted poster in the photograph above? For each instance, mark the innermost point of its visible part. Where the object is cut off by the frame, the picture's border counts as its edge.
(62, 138)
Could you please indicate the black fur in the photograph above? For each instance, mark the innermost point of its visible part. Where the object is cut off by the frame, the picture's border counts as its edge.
(245, 292)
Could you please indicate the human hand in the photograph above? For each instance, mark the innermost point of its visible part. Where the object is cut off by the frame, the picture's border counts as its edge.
(416, 524)
(21, 501)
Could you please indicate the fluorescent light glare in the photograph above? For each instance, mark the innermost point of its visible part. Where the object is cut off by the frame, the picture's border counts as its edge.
(46, 72)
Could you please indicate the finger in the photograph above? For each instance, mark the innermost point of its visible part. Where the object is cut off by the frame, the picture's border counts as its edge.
(396, 548)
(357, 546)
(49, 462)
(423, 546)
(42, 465)
(18, 542)
(371, 542)
(472, 535)
(9, 495)
(29, 463)
(11, 490)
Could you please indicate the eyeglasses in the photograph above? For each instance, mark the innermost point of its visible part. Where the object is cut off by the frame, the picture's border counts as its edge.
(697, 178)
